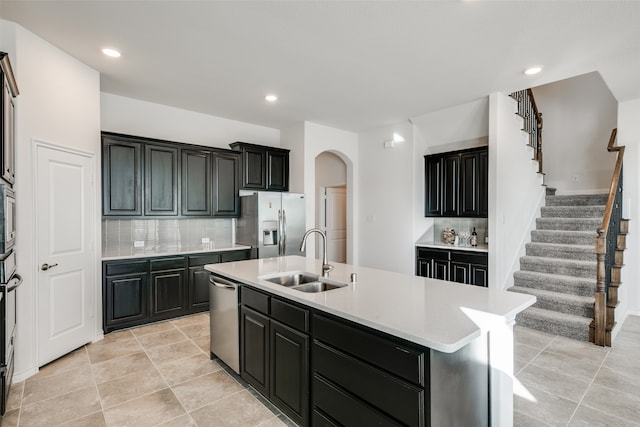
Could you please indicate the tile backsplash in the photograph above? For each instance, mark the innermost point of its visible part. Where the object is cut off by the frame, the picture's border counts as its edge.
(460, 224)
(165, 234)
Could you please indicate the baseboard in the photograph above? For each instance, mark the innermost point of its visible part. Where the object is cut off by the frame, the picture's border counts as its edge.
(17, 378)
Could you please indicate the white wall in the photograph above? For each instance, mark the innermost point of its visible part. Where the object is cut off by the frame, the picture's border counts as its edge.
(59, 103)
(308, 140)
(331, 171)
(629, 136)
(578, 115)
(386, 200)
(134, 117)
(515, 190)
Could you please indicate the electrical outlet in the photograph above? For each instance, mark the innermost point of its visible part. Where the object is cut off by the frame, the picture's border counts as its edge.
(205, 240)
(138, 244)
(575, 178)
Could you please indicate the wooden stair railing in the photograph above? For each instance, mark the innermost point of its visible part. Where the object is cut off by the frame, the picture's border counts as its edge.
(528, 110)
(610, 243)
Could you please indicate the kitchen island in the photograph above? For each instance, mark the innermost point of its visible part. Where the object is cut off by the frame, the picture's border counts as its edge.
(459, 337)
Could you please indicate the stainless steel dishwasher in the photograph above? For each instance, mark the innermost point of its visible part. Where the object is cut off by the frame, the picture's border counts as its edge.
(223, 308)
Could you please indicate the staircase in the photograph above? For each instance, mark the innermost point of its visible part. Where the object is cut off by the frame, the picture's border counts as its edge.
(559, 267)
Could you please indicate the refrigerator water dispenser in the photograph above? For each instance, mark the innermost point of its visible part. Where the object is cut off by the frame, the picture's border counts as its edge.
(270, 233)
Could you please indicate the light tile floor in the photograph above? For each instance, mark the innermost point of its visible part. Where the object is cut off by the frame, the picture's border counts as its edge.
(156, 375)
(161, 375)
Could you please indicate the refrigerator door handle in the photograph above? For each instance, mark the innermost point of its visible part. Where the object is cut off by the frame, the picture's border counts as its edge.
(284, 232)
(279, 232)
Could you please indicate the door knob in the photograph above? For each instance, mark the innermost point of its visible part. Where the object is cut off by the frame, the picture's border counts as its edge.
(46, 266)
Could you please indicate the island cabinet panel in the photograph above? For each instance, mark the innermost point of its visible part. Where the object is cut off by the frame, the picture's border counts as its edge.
(161, 180)
(121, 177)
(274, 351)
(254, 349)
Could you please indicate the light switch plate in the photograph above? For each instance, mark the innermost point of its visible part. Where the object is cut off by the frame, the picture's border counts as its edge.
(138, 244)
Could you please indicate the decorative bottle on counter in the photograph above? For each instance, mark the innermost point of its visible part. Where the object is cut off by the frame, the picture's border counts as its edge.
(474, 238)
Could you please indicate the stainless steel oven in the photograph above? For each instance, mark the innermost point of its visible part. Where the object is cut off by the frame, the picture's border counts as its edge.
(7, 218)
(9, 282)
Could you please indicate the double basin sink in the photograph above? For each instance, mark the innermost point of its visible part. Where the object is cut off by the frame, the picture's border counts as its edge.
(304, 282)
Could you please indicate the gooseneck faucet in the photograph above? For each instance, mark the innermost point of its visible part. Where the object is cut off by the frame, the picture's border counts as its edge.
(326, 268)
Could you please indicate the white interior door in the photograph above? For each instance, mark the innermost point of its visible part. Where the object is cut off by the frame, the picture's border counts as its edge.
(336, 223)
(66, 288)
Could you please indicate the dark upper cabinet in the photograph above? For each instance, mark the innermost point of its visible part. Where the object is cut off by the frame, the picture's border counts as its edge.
(196, 183)
(7, 119)
(121, 176)
(154, 178)
(226, 196)
(456, 184)
(161, 180)
(263, 168)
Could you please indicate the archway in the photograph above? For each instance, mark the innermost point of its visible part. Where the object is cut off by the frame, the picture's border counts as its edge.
(331, 204)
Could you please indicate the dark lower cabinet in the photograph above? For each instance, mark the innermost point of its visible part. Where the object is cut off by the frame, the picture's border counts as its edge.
(254, 328)
(274, 351)
(466, 267)
(289, 384)
(146, 290)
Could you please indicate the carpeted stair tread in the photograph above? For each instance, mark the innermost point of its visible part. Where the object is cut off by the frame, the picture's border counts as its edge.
(569, 224)
(577, 200)
(568, 267)
(568, 325)
(572, 211)
(564, 236)
(558, 301)
(583, 286)
(561, 250)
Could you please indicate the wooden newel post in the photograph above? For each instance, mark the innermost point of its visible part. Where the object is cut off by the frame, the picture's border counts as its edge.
(600, 309)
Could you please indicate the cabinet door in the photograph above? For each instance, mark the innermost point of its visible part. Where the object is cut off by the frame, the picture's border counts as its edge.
(479, 275)
(289, 382)
(424, 267)
(168, 293)
(460, 272)
(121, 177)
(226, 191)
(254, 349)
(277, 171)
(198, 289)
(440, 269)
(433, 186)
(161, 180)
(483, 183)
(196, 183)
(450, 165)
(8, 132)
(254, 165)
(469, 184)
(126, 300)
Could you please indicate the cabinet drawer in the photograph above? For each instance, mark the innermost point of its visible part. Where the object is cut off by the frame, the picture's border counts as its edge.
(166, 263)
(433, 254)
(254, 299)
(197, 260)
(343, 408)
(470, 257)
(235, 256)
(394, 397)
(290, 315)
(112, 269)
(388, 355)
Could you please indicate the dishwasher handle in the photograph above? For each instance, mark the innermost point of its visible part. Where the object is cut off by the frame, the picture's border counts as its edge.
(221, 283)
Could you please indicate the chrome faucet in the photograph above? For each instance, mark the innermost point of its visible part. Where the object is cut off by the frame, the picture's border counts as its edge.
(326, 268)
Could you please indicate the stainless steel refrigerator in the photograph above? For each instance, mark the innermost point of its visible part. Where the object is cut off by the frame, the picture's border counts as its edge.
(274, 223)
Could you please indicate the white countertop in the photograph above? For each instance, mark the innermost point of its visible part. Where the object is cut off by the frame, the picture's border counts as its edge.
(442, 245)
(428, 312)
(132, 252)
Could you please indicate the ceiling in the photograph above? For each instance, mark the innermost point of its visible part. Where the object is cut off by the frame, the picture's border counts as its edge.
(353, 65)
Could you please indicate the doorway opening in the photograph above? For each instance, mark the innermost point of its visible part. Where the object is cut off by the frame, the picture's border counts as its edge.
(331, 205)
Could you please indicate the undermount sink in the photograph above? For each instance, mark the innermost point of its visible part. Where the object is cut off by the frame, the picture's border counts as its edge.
(304, 282)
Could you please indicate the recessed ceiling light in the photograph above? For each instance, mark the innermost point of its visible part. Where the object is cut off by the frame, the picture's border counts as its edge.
(532, 70)
(271, 98)
(111, 52)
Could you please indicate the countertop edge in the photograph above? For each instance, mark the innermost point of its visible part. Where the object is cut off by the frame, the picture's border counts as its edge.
(173, 252)
(451, 247)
